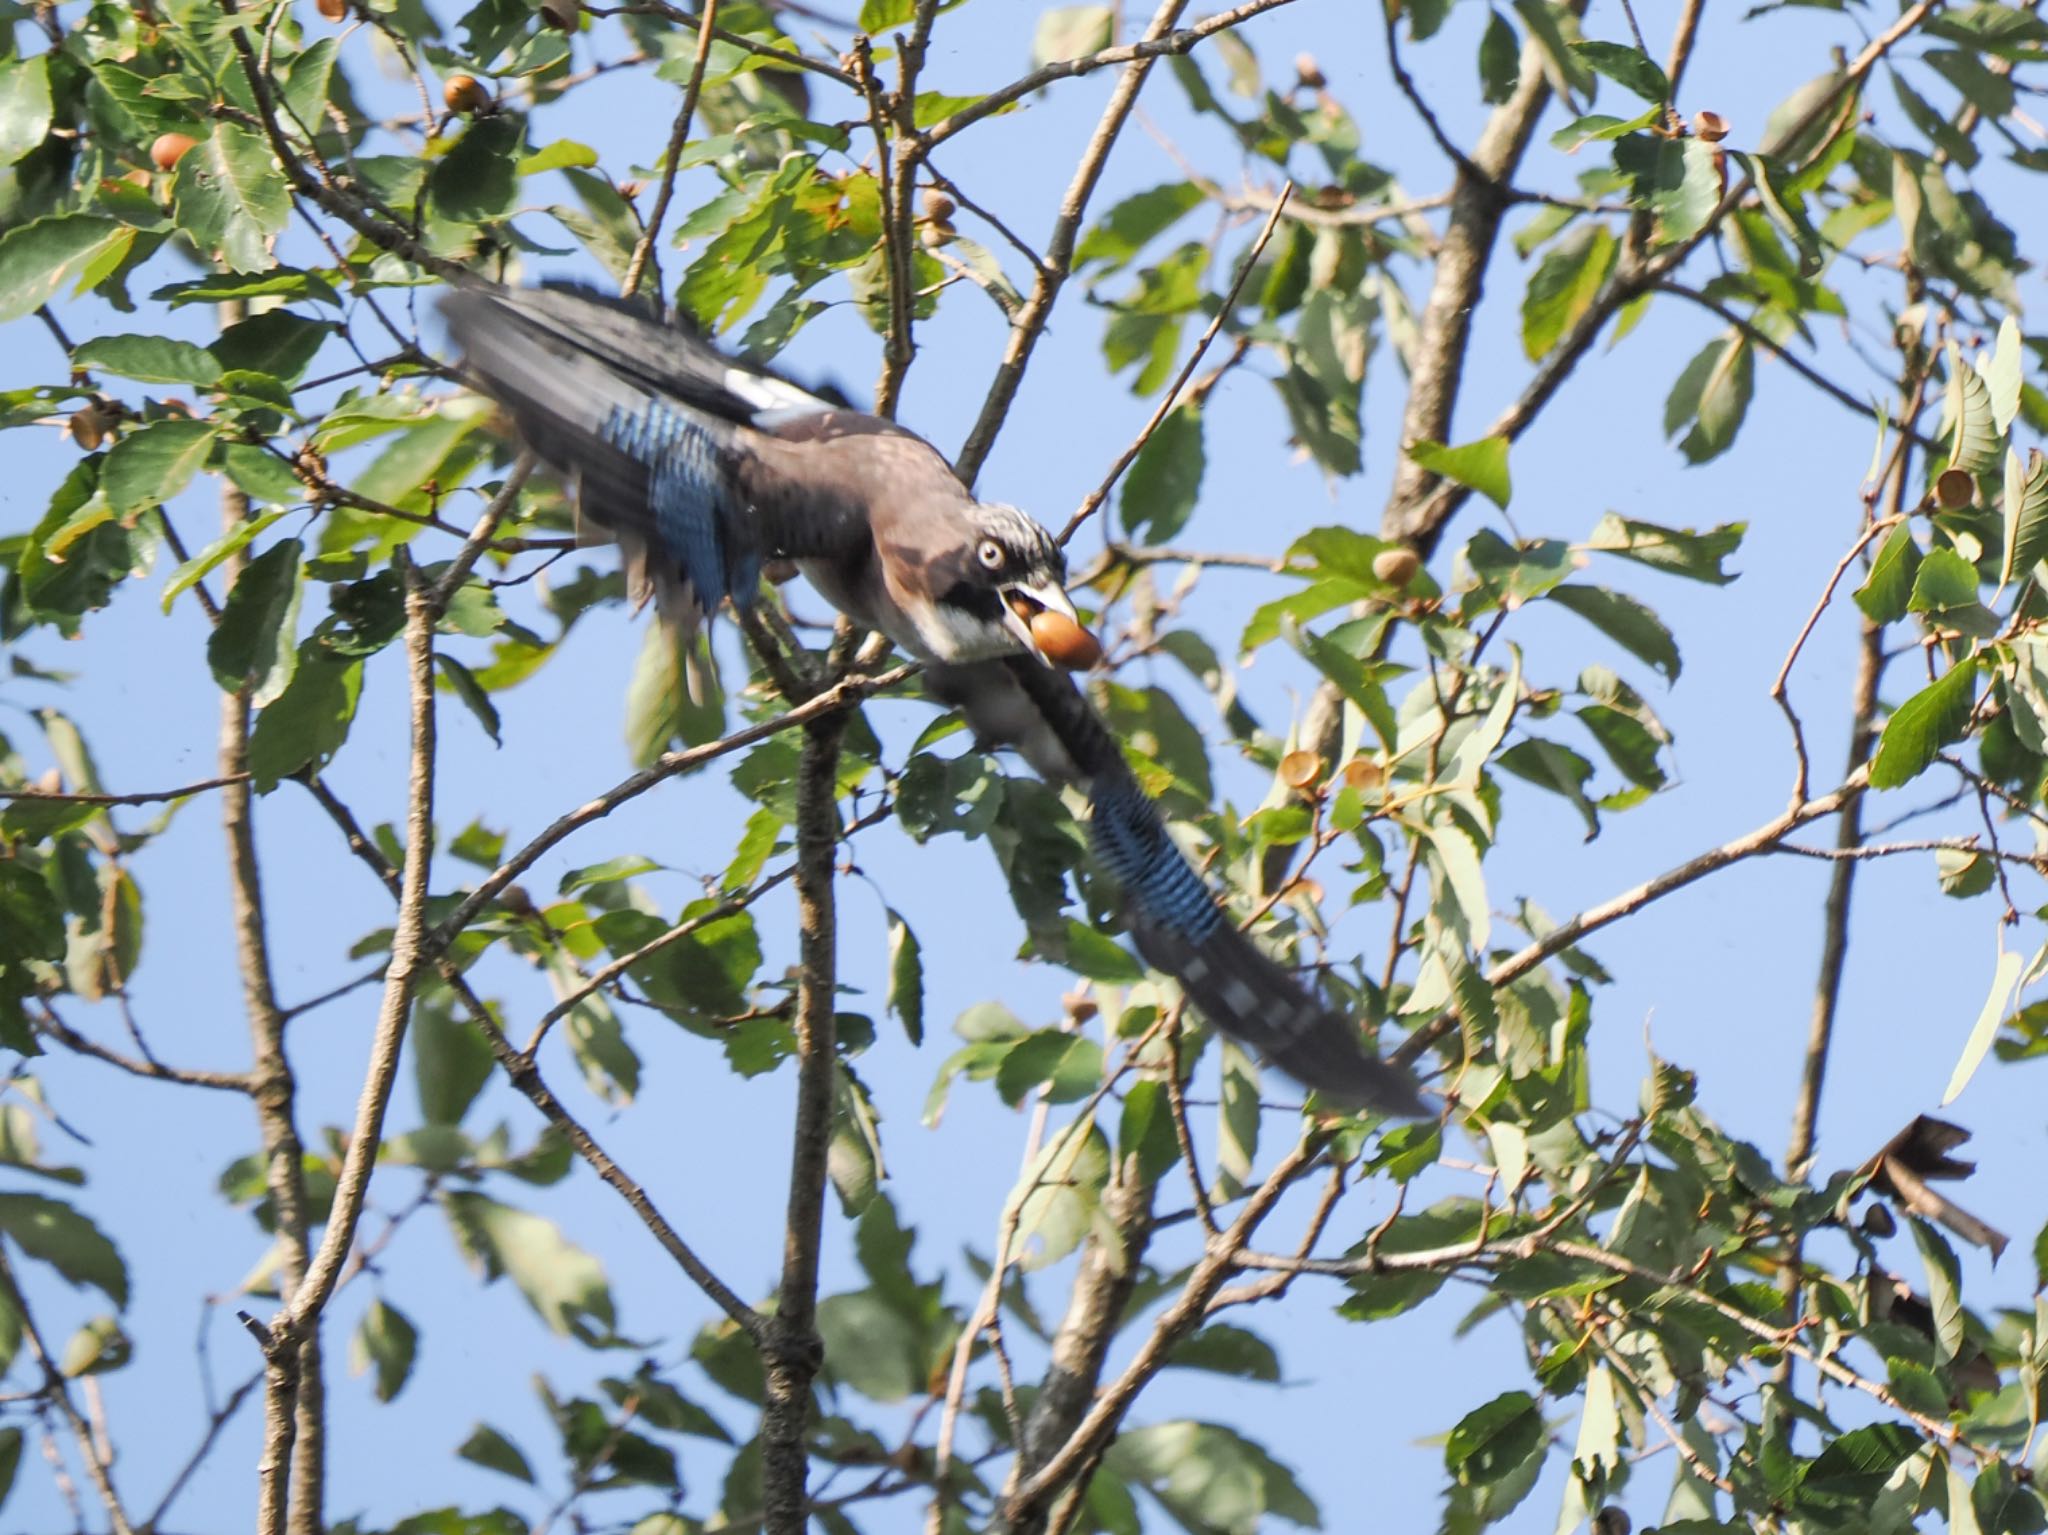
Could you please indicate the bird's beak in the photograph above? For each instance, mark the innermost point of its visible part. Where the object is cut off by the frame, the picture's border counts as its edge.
(1023, 601)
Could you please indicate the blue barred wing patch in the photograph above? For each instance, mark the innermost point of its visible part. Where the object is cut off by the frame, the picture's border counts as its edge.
(1133, 844)
(689, 496)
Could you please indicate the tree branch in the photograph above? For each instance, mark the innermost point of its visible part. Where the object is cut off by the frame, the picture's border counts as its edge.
(1059, 251)
(792, 1352)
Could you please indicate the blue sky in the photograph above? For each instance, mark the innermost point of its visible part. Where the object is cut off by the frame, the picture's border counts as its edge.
(1718, 978)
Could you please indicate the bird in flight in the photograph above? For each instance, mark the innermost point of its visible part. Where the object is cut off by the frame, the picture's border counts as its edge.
(703, 468)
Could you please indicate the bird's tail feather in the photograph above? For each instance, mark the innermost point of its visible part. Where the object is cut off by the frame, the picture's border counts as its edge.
(1244, 992)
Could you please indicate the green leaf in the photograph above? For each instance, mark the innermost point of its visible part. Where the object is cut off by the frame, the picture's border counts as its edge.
(38, 258)
(1628, 67)
(229, 196)
(153, 463)
(1858, 1464)
(462, 682)
(1893, 574)
(1936, 716)
(1227, 1350)
(1494, 1439)
(1500, 60)
(1067, 1066)
(24, 106)
(1677, 180)
(309, 720)
(2026, 514)
(1070, 32)
(451, 1060)
(1712, 394)
(1945, 580)
(54, 1233)
(387, 1341)
(1558, 768)
(1133, 224)
(1059, 1193)
(2005, 375)
(1210, 1479)
(196, 569)
(1968, 420)
(1944, 1290)
(906, 978)
(478, 179)
(1546, 22)
(253, 637)
(2004, 978)
(150, 359)
(562, 1283)
(1675, 551)
(1565, 283)
(1630, 624)
(1159, 492)
(97, 1347)
(1480, 466)
(490, 1449)
(1087, 951)
(34, 925)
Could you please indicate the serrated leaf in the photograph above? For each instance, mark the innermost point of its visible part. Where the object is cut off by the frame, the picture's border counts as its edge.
(39, 257)
(1500, 60)
(2005, 376)
(1131, 225)
(251, 640)
(25, 110)
(196, 569)
(229, 196)
(1166, 477)
(387, 1341)
(563, 1284)
(1967, 417)
(1480, 465)
(1676, 551)
(1944, 581)
(1492, 1440)
(1630, 624)
(1070, 32)
(1889, 586)
(490, 1449)
(906, 978)
(153, 463)
(149, 359)
(1628, 67)
(1936, 716)
(1565, 283)
(2026, 514)
(1712, 395)
(52, 1232)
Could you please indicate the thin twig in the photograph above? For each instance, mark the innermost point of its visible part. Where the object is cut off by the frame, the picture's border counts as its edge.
(643, 258)
(1171, 398)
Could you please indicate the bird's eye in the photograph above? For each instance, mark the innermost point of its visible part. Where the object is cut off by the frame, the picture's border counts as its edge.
(991, 554)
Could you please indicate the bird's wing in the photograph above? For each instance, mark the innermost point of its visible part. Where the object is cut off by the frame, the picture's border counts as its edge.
(1176, 920)
(701, 467)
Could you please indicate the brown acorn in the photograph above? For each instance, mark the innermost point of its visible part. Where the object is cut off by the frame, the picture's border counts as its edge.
(1300, 769)
(1954, 489)
(464, 94)
(1063, 642)
(1309, 72)
(1397, 566)
(333, 10)
(938, 207)
(169, 149)
(1711, 126)
(1362, 773)
(562, 15)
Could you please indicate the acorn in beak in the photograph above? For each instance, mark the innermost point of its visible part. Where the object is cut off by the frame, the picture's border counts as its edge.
(1045, 623)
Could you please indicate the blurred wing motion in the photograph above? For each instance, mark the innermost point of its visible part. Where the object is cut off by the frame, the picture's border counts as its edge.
(1176, 920)
(700, 467)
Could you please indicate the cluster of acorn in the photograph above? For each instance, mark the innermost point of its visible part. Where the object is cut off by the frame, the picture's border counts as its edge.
(936, 228)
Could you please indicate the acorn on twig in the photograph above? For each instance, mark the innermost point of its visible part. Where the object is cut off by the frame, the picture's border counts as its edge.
(464, 93)
(170, 148)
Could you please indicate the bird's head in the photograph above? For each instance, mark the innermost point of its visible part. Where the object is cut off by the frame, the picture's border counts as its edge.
(1009, 593)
